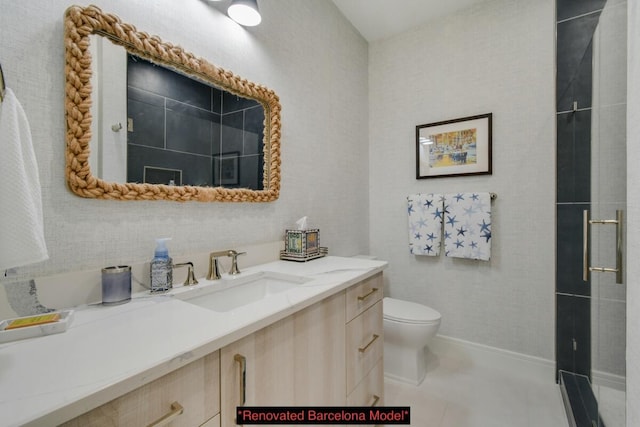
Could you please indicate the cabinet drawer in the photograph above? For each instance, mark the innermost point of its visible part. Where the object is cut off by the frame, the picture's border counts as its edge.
(370, 391)
(364, 344)
(195, 387)
(363, 295)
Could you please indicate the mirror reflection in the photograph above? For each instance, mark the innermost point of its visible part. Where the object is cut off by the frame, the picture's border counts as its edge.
(177, 130)
(148, 120)
(184, 132)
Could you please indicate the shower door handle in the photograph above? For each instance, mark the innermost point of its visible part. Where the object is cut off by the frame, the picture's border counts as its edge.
(586, 222)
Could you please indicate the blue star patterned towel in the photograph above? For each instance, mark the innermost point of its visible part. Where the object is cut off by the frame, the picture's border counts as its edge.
(467, 225)
(425, 223)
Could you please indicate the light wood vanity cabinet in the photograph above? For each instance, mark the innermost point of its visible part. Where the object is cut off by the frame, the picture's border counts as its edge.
(363, 295)
(328, 354)
(364, 343)
(194, 387)
(257, 370)
(319, 353)
(297, 361)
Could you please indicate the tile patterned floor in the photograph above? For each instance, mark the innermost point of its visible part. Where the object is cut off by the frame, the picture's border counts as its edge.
(459, 393)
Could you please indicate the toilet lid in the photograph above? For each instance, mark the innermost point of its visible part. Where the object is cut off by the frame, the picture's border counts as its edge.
(408, 312)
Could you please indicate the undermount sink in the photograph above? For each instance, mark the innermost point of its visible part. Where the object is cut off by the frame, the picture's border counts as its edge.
(244, 290)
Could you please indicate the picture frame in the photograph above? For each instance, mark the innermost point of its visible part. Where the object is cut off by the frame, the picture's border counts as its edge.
(458, 147)
(226, 169)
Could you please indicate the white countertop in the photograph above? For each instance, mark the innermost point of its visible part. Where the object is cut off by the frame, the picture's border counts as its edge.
(109, 351)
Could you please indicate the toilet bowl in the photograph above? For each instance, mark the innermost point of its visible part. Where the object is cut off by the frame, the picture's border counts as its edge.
(408, 328)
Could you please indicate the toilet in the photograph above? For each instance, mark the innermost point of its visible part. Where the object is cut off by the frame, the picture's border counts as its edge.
(408, 328)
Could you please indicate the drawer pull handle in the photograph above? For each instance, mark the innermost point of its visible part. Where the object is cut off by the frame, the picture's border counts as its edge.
(376, 399)
(243, 377)
(176, 411)
(366, 347)
(368, 294)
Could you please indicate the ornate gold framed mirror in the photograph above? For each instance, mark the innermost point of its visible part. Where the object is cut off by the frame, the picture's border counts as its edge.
(83, 23)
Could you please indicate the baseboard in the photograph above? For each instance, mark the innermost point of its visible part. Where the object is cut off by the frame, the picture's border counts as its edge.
(606, 379)
(483, 355)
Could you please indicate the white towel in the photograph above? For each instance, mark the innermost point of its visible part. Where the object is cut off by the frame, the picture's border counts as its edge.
(21, 226)
(467, 225)
(425, 223)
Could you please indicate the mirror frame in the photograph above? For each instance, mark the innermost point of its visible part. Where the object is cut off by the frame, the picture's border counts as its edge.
(79, 24)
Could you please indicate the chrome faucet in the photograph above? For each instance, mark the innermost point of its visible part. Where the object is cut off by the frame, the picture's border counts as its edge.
(214, 267)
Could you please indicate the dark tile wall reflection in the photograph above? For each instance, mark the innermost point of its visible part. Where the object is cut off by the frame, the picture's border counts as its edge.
(183, 131)
(576, 23)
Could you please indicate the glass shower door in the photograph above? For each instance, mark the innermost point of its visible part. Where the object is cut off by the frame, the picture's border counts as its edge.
(608, 203)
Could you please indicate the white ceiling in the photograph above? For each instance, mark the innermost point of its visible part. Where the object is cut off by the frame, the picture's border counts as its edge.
(380, 19)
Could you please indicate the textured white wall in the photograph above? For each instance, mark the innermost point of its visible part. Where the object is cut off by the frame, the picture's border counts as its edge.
(307, 52)
(633, 216)
(496, 57)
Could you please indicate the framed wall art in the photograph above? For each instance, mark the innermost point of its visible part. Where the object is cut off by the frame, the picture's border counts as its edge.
(454, 147)
(226, 169)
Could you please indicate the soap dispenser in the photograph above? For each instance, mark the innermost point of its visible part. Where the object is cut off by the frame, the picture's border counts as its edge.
(161, 268)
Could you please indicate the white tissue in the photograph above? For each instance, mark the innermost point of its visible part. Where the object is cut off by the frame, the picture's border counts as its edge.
(302, 223)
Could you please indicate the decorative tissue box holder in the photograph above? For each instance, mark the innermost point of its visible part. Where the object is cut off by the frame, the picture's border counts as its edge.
(302, 245)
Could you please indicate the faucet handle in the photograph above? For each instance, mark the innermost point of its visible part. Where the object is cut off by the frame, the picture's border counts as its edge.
(234, 261)
(191, 278)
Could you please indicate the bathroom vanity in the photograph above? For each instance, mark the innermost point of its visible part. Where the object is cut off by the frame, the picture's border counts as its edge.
(174, 358)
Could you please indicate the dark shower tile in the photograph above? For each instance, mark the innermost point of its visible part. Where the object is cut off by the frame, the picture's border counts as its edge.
(251, 172)
(144, 75)
(564, 333)
(189, 129)
(573, 322)
(574, 62)
(233, 120)
(196, 170)
(570, 8)
(231, 132)
(180, 107)
(253, 131)
(569, 250)
(145, 97)
(252, 143)
(216, 100)
(215, 138)
(573, 162)
(580, 88)
(254, 120)
(582, 333)
(146, 121)
(232, 103)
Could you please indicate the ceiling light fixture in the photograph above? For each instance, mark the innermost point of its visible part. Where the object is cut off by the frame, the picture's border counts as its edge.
(245, 12)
